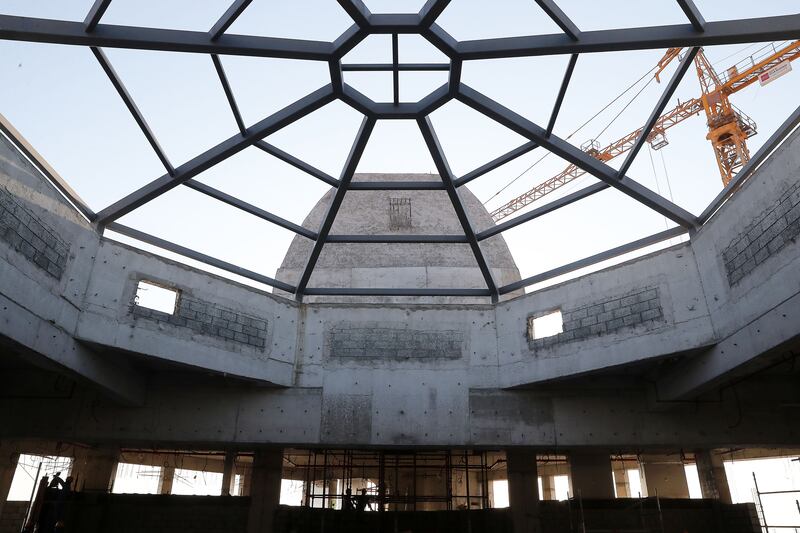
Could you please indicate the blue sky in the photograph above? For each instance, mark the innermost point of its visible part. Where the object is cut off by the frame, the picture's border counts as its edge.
(59, 98)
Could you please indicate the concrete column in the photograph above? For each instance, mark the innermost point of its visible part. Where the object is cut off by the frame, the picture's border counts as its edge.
(8, 465)
(548, 487)
(523, 490)
(591, 475)
(165, 479)
(94, 469)
(665, 477)
(711, 471)
(228, 470)
(265, 490)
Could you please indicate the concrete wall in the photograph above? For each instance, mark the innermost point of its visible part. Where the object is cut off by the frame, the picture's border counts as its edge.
(13, 516)
(348, 387)
(109, 318)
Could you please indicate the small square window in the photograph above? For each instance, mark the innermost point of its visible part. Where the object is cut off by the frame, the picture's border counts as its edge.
(546, 325)
(156, 297)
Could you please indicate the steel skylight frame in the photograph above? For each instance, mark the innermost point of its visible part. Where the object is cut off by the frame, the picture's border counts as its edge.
(572, 41)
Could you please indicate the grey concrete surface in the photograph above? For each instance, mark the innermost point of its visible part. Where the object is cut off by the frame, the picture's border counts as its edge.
(344, 373)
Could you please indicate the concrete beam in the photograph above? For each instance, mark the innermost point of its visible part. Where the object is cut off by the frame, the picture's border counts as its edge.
(765, 335)
(112, 376)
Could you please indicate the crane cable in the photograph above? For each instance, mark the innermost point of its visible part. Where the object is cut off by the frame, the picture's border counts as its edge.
(612, 102)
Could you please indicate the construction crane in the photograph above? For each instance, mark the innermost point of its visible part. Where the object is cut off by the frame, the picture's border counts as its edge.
(728, 126)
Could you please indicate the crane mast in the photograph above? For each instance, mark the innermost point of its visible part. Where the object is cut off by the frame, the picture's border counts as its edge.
(728, 126)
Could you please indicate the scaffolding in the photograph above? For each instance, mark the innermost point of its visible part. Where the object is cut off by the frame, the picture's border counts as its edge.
(394, 481)
(762, 516)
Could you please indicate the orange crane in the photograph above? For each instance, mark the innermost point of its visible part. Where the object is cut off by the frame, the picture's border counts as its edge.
(728, 126)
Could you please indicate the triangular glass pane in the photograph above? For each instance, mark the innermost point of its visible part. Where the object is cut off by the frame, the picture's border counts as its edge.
(176, 14)
(264, 181)
(470, 139)
(485, 20)
(187, 110)
(213, 228)
(414, 48)
(612, 14)
(414, 86)
(262, 86)
(396, 146)
(316, 20)
(377, 86)
(321, 139)
(373, 49)
(527, 85)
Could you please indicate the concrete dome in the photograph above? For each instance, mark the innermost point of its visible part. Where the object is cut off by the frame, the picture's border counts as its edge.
(399, 265)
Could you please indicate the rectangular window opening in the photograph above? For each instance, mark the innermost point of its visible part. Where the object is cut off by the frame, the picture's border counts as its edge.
(500, 493)
(196, 483)
(30, 469)
(156, 297)
(136, 479)
(547, 325)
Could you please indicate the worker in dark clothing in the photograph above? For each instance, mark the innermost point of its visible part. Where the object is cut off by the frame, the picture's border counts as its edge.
(347, 501)
(362, 501)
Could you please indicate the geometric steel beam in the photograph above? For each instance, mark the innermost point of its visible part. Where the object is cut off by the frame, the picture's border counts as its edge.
(561, 93)
(397, 239)
(217, 154)
(337, 291)
(230, 15)
(394, 23)
(131, 105)
(111, 36)
(356, 151)
(388, 67)
(495, 163)
(228, 92)
(396, 186)
(573, 155)
(95, 14)
(249, 208)
(297, 163)
(679, 35)
(594, 259)
(395, 69)
(693, 14)
(560, 18)
(686, 62)
(442, 40)
(431, 11)
(429, 135)
(388, 110)
(197, 256)
(356, 10)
